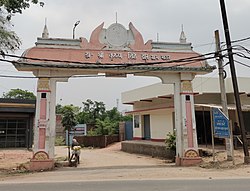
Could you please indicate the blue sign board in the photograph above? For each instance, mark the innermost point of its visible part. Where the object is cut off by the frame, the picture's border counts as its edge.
(221, 124)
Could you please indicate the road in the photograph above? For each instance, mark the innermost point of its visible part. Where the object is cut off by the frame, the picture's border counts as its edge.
(133, 185)
(111, 169)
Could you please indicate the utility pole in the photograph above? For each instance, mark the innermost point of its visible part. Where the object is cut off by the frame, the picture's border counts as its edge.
(234, 81)
(229, 145)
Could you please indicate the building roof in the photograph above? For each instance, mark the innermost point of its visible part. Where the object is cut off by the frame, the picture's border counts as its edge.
(201, 85)
(17, 105)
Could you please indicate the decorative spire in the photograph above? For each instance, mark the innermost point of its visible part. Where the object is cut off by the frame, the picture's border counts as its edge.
(45, 33)
(183, 38)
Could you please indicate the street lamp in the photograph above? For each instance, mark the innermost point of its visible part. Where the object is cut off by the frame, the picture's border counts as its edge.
(77, 23)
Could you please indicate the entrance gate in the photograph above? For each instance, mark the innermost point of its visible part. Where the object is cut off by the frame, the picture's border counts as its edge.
(115, 51)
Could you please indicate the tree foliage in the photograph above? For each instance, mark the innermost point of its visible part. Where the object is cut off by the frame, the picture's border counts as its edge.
(17, 6)
(61, 109)
(105, 127)
(9, 41)
(106, 122)
(19, 94)
(91, 111)
(171, 141)
(69, 117)
(69, 121)
(94, 113)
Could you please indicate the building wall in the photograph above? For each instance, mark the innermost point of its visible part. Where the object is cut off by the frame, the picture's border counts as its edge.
(156, 99)
(16, 123)
(161, 124)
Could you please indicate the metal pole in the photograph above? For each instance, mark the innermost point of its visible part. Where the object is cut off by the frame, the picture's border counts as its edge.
(223, 91)
(204, 125)
(231, 140)
(77, 23)
(212, 132)
(74, 32)
(234, 81)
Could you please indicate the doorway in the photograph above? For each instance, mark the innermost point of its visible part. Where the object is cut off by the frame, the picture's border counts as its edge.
(13, 133)
(146, 127)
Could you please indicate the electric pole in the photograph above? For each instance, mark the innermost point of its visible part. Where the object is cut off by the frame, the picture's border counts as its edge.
(229, 145)
(234, 81)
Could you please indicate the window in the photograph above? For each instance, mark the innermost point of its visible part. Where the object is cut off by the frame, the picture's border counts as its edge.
(136, 121)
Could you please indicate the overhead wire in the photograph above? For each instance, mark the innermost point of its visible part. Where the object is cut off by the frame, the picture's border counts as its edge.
(241, 63)
(79, 65)
(111, 64)
(188, 60)
(144, 70)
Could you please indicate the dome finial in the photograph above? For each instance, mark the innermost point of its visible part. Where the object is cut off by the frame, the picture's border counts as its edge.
(183, 38)
(45, 33)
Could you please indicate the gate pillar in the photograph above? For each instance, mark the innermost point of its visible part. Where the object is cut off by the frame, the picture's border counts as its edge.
(185, 124)
(45, 125)
(187, 147)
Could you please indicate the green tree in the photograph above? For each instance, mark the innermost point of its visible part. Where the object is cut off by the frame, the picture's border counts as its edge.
(69, 121)
(108, 124)
(60, 109)
(105, 122)
(91, 111)
(19, 94)
(171, 141)
(17, 6)
(115, 117)
(9, 41)
(105, 127)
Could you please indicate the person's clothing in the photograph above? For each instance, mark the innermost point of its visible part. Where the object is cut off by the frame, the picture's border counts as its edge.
(76, 152)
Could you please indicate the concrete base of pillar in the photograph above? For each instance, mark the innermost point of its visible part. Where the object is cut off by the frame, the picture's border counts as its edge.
(187, 161)
(38, 165)
(41, 161)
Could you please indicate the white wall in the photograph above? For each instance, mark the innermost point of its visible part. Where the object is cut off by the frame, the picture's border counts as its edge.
(161, 123)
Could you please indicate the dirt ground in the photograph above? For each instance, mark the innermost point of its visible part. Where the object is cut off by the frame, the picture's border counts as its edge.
(11, 161)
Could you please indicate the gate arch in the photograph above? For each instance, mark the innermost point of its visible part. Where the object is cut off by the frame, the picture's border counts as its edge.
(115, 51)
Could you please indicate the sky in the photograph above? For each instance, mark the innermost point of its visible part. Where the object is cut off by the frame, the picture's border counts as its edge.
(200, 18)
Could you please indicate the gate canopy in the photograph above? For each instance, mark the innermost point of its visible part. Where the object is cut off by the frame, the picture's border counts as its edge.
(114, 51)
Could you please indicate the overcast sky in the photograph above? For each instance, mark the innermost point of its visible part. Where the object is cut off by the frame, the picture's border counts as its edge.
(199, 17)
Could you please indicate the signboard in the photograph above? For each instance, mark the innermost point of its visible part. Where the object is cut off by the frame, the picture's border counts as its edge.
(220, 123)
(42, 123)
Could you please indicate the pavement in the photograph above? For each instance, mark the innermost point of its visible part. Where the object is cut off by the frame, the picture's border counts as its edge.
(112, 164)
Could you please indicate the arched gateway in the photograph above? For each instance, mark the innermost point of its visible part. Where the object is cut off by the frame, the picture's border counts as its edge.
(114, 51)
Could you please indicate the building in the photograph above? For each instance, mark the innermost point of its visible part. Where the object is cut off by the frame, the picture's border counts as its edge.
(153, 107)
(16, 123)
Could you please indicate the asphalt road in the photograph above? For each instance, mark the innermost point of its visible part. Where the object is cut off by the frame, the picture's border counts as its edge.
(134, 185)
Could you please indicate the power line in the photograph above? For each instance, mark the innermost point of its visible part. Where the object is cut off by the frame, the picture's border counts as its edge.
(84, 65)
(128, 68)
(111, 64)
(241, 63)
(240, 40)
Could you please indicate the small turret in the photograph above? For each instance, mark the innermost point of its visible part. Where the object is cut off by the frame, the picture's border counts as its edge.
(183, 38)
(45, 33)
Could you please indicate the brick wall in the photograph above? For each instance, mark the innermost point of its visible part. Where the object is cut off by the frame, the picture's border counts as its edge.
(97, 141)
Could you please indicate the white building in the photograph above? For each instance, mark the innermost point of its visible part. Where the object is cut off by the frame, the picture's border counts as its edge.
(153, 107)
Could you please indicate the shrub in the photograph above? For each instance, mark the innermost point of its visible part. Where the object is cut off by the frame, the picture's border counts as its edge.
(171, 141)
